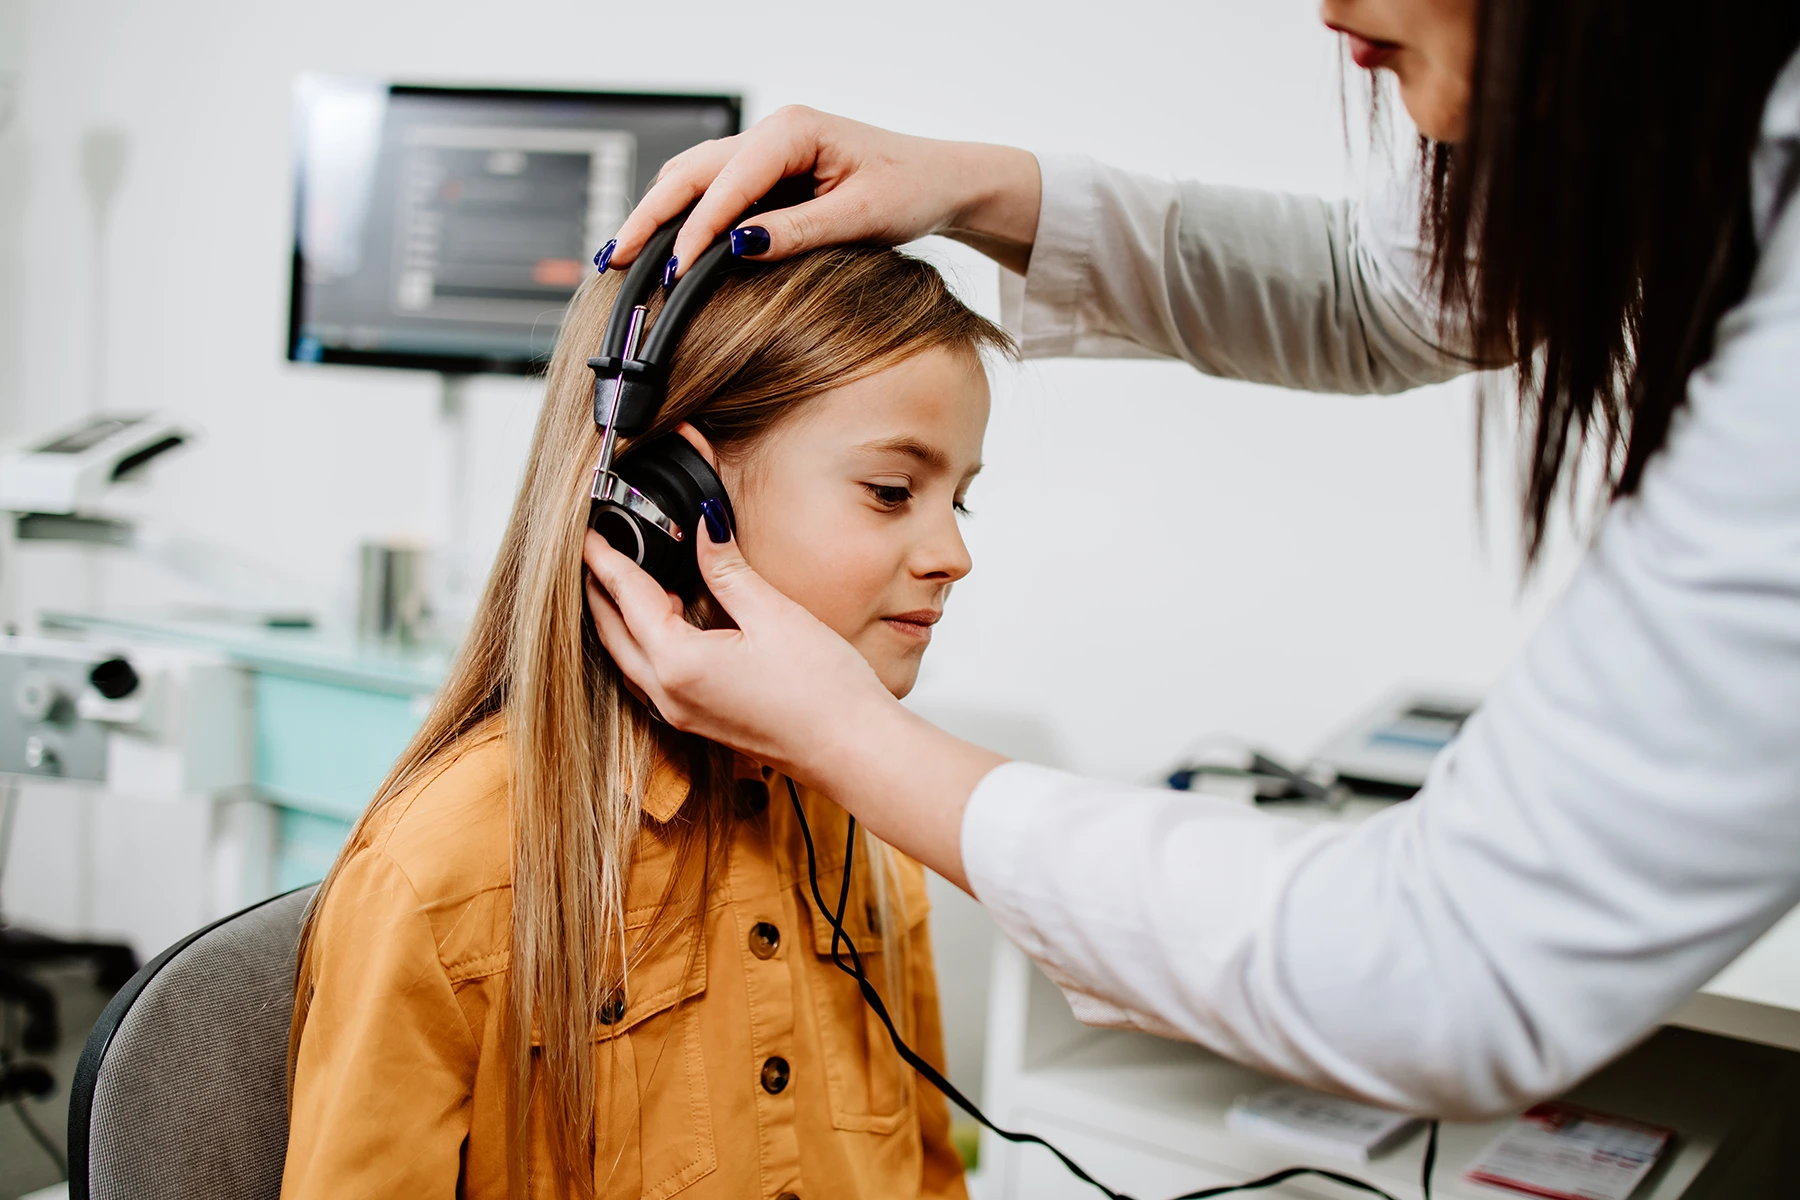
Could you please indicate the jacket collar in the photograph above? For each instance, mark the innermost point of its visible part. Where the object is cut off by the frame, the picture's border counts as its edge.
(668, 789)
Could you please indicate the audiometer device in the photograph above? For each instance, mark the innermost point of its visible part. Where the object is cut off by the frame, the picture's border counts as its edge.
(67, 472)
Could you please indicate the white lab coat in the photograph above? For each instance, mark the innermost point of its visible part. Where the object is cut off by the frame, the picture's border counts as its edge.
(1618, 821)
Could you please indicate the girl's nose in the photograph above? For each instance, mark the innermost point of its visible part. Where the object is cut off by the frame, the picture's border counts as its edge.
(943, 557)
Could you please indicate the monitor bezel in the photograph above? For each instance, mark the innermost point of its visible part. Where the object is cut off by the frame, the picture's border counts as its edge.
(452, 364)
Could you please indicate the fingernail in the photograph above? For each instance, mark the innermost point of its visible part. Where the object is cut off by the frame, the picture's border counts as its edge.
(716, 527)
(669, 271)
(603, 259)
(750, 240)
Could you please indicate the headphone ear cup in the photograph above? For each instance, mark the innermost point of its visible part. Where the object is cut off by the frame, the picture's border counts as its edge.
(672, 474)
(622, 531)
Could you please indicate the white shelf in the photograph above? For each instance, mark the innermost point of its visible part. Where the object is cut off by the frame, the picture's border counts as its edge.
(1147, 1116)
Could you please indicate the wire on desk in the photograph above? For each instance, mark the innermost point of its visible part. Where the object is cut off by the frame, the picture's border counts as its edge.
(854, 969)
(40, 1137)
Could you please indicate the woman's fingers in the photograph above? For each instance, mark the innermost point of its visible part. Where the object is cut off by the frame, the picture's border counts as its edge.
(747, 598)
(617, 639)
(682, 179)
(871, 184)
(788, 142)
(639, 600)
(727, 175)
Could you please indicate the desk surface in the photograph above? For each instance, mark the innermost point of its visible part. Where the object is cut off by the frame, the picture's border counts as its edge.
(324, 654)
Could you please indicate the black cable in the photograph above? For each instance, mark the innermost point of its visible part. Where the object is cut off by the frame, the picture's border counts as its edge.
(9, 807)
(854, 969)
(41, 1138)
(1430, 1160)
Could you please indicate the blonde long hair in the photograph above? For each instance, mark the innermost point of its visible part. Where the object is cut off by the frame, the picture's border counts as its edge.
(581, 747)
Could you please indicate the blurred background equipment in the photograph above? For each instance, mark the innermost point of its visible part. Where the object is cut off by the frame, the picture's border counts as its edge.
(393, 602)
(68, 473)
(1389, 749)
(445, 228)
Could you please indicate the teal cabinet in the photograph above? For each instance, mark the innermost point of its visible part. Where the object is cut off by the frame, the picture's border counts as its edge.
(322, 749)
(326, 746)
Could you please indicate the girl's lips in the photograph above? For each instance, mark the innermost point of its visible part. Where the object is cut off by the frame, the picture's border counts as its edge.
(1366, 53)
(914, 624)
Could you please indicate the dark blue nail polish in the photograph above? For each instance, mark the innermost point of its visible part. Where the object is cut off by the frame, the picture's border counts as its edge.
(669, 271)
(749, 241)
(604, 259)
(716, 527)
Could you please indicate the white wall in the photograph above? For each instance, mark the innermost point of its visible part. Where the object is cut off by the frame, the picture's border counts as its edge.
(1158, 554)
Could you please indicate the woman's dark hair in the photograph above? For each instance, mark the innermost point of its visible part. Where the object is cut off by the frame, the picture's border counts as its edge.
(1594, 222)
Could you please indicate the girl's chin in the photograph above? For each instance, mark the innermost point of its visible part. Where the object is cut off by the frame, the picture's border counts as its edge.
(898, 677)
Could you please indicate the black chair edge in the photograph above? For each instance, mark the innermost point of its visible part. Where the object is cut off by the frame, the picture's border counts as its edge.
(87, 1069)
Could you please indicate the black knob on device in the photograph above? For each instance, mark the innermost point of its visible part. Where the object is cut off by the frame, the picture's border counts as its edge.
(115, 679)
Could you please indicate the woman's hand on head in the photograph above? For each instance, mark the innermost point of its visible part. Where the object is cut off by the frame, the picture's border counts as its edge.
(872, 185)
(769, 687)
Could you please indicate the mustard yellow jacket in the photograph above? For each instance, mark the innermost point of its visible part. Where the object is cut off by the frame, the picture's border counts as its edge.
(756, 1071)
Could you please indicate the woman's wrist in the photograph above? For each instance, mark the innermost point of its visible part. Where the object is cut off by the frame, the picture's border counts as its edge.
(904, 778)
(1000, 190)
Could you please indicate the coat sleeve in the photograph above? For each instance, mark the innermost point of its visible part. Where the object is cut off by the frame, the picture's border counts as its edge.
(1617, 823)
(381, 1100)
(1326, 296)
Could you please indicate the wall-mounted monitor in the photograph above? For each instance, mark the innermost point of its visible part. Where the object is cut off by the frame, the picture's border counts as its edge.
(445, 229)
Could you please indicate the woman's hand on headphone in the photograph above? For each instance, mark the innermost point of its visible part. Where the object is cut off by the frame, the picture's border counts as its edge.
(786, 690)
(758, 687)
(872, 185)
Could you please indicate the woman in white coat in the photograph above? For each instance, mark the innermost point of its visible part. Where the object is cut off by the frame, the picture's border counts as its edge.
(1607, 189)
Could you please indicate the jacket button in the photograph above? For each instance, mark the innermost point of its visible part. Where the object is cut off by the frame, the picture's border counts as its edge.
(765, 939)
(775, 1075)
(613, 1009)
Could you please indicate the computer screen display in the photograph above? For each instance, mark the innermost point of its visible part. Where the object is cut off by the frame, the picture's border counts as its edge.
(446, 229)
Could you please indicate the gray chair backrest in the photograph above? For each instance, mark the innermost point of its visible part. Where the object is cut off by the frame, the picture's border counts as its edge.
(181, 1091)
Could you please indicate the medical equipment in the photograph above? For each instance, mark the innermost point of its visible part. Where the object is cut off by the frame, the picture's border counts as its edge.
(1385, 754)
(1389, 750)
(129, 765)
(649, 509)
(67, 473)
(444, 228)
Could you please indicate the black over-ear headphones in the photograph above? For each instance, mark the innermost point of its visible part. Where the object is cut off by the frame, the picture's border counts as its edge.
(649, 509)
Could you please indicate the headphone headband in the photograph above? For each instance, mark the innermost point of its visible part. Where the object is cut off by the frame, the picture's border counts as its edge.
(641, 372)
(650, 508)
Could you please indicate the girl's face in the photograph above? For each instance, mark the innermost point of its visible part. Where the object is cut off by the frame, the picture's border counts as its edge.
(851, 506)
(1429, 45)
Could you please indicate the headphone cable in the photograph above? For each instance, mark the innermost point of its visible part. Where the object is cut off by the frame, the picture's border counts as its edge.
(854, 969)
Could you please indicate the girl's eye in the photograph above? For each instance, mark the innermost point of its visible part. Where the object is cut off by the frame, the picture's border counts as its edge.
(889, 495)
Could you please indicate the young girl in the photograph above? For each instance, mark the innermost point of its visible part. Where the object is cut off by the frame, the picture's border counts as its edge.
(569, 951)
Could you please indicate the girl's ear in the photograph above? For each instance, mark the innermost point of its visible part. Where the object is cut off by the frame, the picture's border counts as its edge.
(699, 442)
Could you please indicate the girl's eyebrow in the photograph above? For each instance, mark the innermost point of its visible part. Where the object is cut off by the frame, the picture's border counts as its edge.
(926, 454)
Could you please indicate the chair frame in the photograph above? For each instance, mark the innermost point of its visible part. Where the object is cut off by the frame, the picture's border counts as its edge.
(93, 1054)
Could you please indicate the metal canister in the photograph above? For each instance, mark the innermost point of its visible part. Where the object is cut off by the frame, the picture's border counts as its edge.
(393, 596)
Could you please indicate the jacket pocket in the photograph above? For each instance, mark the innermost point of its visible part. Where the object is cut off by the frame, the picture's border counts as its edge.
(653, 1131)
(869, 1084)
